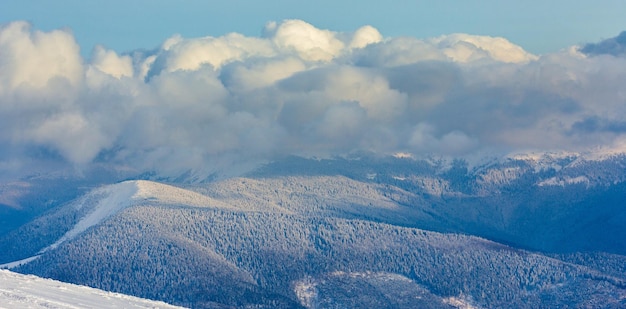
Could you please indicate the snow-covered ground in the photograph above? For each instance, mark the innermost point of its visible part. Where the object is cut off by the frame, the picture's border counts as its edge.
(23, 291)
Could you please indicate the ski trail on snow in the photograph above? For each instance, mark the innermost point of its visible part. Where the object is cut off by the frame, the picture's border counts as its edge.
(109, 200)
(117, 197)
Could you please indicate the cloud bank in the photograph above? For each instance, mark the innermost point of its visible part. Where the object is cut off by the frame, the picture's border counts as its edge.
(201, 103)
(614, 46)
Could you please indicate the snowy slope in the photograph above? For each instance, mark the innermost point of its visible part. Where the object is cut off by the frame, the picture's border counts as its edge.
(119, 196)
(326, 233)
(104, 202)
(114, 198)
(23, 291)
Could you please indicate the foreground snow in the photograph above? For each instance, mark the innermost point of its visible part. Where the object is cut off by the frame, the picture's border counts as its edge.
(22, 291)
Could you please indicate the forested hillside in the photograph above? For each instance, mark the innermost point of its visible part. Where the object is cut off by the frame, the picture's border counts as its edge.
(391, 232)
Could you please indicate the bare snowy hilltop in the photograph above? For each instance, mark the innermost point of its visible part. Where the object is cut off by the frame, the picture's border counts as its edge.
(525, 231)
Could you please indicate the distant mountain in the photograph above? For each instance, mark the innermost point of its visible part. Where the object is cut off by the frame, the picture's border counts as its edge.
(21, 291)
(556, 202)
(364, 231)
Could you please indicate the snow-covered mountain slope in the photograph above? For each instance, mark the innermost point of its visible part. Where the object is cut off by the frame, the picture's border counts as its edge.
(253, 259)
(309, 233)
(109, 200)
(321, 196)
(557, 202)
(26, 291)
(102, 203)
(270, 241)
(560, 202)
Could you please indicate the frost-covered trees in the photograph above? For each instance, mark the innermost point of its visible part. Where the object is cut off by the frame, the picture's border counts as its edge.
(190, 256)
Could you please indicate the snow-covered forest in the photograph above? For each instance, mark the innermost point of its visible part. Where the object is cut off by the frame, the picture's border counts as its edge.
(382, 232)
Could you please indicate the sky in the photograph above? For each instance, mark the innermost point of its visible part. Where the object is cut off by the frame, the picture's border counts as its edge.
(538, 26)
(206, 86)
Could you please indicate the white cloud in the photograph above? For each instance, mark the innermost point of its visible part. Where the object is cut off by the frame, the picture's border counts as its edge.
(32, 59)
(423, 139)
(251, 75)
(465, 48)
(77, 138)
(200, 103)
(308, 42)
(364, 36)
(396, 52)
(190, 54)
(107, 61)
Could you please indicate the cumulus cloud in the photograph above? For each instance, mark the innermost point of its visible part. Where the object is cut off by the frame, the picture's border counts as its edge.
(33, 59)
(596, 124)
(191, 54)
(614, 46)
(464, 48)
(210, 103)
(308, 42)
(364, 36)
(109, 62)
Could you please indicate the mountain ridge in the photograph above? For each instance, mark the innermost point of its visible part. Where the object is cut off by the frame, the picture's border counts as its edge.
(442, 231)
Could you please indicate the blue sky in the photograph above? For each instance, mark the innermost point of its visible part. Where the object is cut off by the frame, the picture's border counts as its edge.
(538, 26)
